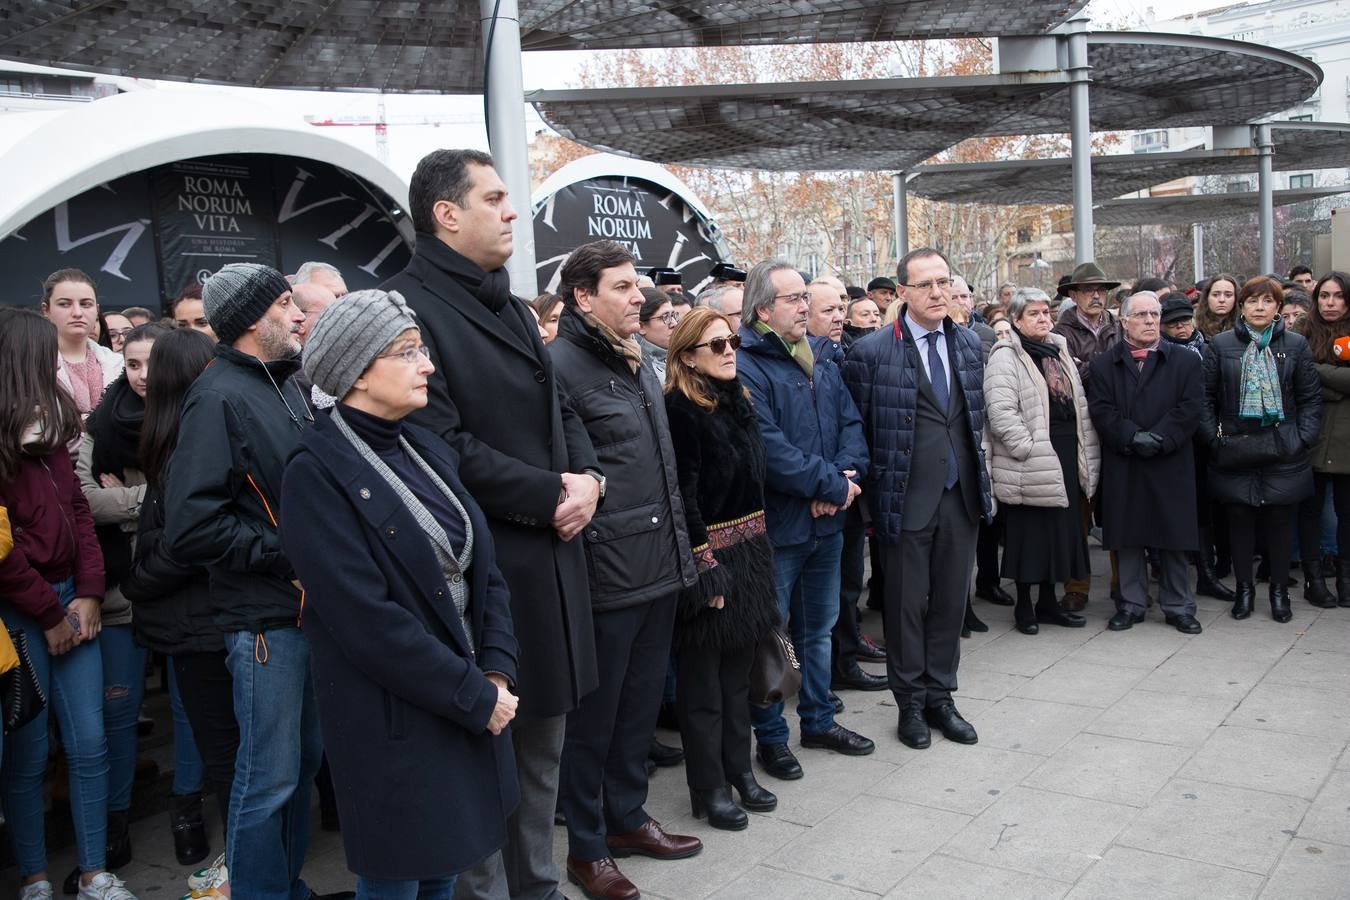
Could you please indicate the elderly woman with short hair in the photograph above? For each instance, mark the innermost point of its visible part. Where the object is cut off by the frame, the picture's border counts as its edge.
(1044, 458)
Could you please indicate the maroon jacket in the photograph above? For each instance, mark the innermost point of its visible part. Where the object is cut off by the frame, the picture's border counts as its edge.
(53, 538)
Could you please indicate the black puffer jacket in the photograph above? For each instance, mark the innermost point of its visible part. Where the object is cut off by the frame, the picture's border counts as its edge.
(173, 601)
(241, 420)
(1253, 464)
(637, 548)
(720, 456)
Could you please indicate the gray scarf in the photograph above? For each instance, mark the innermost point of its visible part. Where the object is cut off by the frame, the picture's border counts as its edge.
(452, 566)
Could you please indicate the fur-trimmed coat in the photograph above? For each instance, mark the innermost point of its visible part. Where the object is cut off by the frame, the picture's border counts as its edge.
(720, 459)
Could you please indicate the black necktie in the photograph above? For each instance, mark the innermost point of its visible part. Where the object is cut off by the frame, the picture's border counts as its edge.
(937, 374)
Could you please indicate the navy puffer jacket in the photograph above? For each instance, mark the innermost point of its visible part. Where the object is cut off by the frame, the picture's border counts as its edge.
(881, 372)
(811, 434)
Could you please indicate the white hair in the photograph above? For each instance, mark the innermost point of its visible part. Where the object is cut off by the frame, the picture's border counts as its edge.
(308, 270)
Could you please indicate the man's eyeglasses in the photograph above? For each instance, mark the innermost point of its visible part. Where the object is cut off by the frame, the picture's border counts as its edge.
(942, 284)
(718, 345)
(411, 355)
(802, 299)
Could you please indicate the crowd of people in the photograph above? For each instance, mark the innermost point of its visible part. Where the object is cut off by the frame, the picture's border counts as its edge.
(451, 556)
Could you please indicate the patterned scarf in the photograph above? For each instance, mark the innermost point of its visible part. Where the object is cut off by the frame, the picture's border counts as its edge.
(628, 347)
(1046, 356)
(1260, 382)
(800, 352)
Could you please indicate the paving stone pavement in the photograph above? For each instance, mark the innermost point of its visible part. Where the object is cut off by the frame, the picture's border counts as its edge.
(1137, 764)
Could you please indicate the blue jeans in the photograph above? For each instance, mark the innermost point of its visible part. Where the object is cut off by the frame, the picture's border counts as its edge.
(380, 889)
(807, 579)
(188, 770)
(73, 684)
(279, 753)
(123, 689)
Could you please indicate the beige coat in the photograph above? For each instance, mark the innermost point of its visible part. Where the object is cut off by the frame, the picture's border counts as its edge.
(116, 505)
(1022, 463)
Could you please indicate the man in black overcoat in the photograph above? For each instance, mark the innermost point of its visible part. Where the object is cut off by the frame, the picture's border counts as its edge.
(528, 463)
(1146, 401)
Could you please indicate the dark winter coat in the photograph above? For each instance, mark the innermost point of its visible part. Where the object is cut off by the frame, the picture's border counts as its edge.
(173, 601)
(721, 464)
(882, 374)
(1251, 464)
(241, 420)
(1147, 502)
(811, 433)
(54, 538)
(637, 548)
(1332, 453)
(494, 399)
(1084, 346)
(424, 789)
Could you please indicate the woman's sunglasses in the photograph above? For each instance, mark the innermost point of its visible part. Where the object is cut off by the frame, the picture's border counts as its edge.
(718, 345)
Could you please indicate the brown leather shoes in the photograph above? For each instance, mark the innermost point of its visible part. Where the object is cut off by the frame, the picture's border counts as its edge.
(601, 880)
(1073, 601)
(653, 840)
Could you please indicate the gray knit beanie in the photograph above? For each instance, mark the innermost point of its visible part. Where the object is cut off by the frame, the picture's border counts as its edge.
(238, 295)
(350, 334)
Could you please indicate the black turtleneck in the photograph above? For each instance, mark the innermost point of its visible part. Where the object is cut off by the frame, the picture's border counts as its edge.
(382, 435)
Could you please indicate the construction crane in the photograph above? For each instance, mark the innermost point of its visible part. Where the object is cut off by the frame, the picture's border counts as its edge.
(381, 122)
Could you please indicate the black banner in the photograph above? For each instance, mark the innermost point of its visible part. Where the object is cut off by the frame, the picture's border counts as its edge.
(657, 225)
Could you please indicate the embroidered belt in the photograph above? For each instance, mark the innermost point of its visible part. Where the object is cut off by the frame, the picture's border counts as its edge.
(737, 531)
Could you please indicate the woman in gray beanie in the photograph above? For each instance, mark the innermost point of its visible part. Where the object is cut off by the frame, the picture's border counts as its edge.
(407, 616)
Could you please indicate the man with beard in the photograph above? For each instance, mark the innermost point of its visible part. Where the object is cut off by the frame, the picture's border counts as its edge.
(1089, 329)
(241, 419)
(526, 459)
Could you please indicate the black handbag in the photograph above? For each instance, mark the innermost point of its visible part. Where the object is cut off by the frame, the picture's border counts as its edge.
(775, 674)
(20, 693)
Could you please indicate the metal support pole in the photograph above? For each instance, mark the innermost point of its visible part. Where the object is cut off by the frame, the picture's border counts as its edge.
(1080, 133)
(506, 132)
(1198, 250)
(900, 194)
(1265, 188)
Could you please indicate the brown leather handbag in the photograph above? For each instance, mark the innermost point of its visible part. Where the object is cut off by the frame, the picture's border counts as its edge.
(775, 674)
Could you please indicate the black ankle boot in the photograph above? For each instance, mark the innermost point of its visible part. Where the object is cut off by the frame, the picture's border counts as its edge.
(1245, 600)
(754, 796)
(189, 832)
(1343, 581)
(972, 622)
(719, 809)
(1207, 582)
(1279, 603)
(119, 838)
(1024, 615)
(1315, 586)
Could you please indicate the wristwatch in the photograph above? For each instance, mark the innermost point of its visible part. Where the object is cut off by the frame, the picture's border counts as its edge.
(600, 479)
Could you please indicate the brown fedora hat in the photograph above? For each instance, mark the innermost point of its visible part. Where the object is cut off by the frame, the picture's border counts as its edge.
(1089, 274)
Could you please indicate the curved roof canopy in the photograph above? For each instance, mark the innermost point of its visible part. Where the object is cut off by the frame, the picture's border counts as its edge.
(1298, 146)
(1139, 81)
(1187, 208)
(434, 45)
(47, 167)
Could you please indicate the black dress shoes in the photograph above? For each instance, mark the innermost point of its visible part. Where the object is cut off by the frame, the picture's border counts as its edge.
(835, 702)
(840, 740)
(664, 755)
(754, 796)
(1124, 621)
(870, 651)
(1183, 623)
(779, 762)
(1054, 615)
(913, 730)
(858, 680)
(972, 622)
(946, 719)
(994, 594)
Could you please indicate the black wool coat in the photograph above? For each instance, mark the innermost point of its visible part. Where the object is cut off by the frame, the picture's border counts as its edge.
(1279, 472)
(1147, 502)
(424, 790)
(494, 399)
(637, 550)
(720, 456)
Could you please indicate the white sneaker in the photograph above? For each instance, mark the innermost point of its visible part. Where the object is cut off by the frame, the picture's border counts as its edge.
(38, 890)
(211, 876)
(105, 886)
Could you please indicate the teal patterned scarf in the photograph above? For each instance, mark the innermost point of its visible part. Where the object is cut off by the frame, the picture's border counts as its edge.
(1260, 379)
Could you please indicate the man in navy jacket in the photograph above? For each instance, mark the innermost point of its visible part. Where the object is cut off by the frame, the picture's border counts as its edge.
(815, 456)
